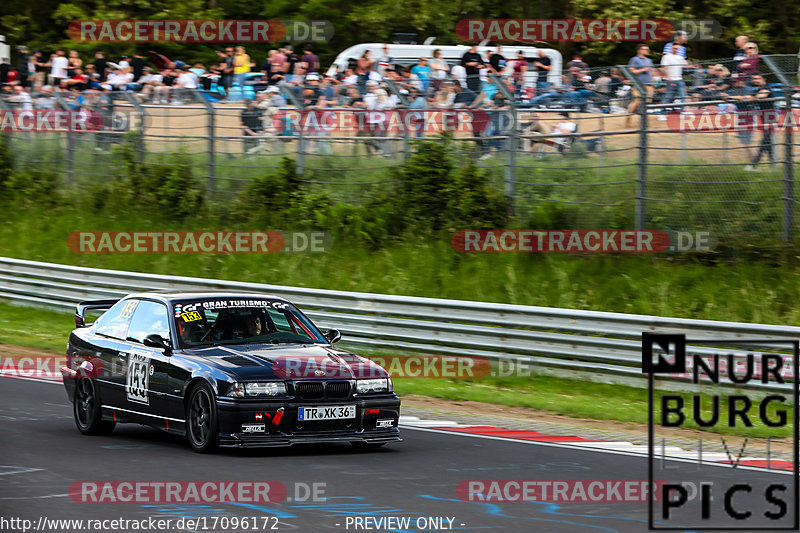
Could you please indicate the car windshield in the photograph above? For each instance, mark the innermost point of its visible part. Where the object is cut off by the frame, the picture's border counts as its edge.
(243, 321)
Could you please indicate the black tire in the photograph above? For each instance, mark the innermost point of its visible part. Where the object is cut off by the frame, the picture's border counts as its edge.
(87, 411)
(368, 445)
(202, 424)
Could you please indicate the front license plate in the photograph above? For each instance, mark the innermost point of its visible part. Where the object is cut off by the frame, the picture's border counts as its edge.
(327, 412)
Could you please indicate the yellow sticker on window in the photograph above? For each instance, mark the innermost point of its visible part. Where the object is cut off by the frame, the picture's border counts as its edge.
(191, 316)
(127, 310)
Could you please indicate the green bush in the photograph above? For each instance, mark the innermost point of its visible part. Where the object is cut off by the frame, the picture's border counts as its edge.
(31, 187)
(265, 198)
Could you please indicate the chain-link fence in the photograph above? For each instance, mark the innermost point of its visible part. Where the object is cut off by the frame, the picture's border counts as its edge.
(583, 154)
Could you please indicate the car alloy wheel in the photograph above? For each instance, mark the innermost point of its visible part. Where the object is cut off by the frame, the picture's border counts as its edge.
(86, 409)
(201, 419)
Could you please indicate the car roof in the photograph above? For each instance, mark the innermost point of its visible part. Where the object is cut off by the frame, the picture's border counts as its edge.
(174, 296)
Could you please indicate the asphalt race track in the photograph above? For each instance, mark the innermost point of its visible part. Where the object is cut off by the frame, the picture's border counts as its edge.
(43, 454)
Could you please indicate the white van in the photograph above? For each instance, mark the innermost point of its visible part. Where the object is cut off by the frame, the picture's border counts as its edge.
(409, 54)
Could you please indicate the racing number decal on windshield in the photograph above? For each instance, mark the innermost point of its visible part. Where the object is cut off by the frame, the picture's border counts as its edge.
(138, 379)
(191, 316)
(127, 310)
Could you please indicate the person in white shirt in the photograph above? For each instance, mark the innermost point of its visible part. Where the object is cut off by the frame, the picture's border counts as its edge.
(118, 80)
(58, 68)
(673, 65)
(350, 77)
(149, 81)
(186, 80)
(123, 63)
(384, 61)
(375, 99)
(565, 126)
(439, 68)
(459, 73)
(21, 98)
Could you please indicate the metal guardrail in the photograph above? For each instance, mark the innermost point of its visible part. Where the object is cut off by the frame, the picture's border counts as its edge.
(583, 342)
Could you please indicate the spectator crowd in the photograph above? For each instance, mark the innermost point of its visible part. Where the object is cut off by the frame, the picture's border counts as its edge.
(495, 81)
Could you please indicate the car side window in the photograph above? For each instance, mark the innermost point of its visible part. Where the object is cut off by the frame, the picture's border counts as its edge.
(280, 321)
(115, 321)
(148, 319)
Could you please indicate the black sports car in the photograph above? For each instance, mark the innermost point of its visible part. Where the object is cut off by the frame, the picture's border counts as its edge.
(224, 369)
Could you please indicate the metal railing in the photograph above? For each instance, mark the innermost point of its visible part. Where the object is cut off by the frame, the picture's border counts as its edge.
(581, 344)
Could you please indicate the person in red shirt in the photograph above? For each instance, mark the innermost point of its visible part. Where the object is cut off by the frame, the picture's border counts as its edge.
(79, 81)
(749, 65)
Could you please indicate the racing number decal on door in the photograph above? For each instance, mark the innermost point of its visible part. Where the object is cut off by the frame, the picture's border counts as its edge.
(137, 384)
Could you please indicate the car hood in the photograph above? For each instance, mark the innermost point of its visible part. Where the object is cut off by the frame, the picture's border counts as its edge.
(266, 361)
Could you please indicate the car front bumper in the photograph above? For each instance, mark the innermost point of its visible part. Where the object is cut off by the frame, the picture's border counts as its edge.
(268, 423)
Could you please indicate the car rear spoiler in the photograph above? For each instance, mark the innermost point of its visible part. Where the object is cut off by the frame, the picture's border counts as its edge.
(80, 310)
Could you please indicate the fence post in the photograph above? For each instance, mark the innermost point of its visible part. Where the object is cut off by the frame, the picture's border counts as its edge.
(511, 163)
(137, 107)
(299, 168)
(641, 169)
(212, 162)
(511, 141)
(788, 177)
(212, 159)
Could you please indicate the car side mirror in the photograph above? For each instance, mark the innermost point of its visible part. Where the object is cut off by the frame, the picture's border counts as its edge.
(333, 335)
(157, 341)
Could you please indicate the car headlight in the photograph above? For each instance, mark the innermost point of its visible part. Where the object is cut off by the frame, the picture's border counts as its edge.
(365, 386)
(271, 388)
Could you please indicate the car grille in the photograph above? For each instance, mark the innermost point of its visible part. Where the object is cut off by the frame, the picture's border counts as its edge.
(338, 389)
(310, 390)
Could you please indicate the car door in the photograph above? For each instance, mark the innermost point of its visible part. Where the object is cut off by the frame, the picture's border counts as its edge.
(108, 338)
(147, 369)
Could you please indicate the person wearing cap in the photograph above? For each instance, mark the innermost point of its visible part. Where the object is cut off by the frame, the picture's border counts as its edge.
(275, 96)
(673, 65)
(678, 44)
(311, 90)
(22, 66)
